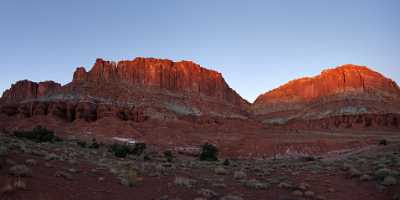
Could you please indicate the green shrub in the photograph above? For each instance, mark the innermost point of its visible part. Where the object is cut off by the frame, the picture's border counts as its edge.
(208, 152)
(168, 155)
(37, 134)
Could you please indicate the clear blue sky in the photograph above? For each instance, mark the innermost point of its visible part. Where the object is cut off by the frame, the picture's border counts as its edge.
(257, 45)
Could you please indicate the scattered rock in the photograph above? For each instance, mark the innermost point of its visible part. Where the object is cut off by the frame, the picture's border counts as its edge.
(285, 185)
(219, 185)
(19, 184)
(309, 194)
(207, 193)
(389, 180)
(31, 162)
(64, 175)
(51, 156)
(365, 177)
(124, 181)
(382, 173)
(298, 193)
(347, 166)
(73, 170)
(354, 172)
(231, 197)
(239, 175)
(220, 171)
(164, 197)
(185, 182)
(10, 162)
(20, 171)
(255, 184)
(304, 186)
(48, 165)
(3, 151)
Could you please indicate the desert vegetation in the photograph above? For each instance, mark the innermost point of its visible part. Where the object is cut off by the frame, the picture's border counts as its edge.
(37, 134)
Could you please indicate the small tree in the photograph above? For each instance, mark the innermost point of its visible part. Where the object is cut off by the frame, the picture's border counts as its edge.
(209, 152)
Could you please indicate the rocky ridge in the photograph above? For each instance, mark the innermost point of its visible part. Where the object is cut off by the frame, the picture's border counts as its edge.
(144, 89)
(137, 90)
(342, 96)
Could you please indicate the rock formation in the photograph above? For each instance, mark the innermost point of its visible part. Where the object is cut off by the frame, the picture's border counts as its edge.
(23, 90)
(149, 89)
(341, 95)
(137, 90)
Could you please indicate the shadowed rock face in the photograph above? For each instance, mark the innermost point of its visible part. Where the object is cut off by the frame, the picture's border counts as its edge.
(345, 90)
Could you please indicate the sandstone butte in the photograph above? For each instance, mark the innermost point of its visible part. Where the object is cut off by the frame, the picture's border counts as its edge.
(142, 89)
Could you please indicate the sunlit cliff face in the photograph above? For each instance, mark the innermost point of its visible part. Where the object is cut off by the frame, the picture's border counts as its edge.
(346, 80)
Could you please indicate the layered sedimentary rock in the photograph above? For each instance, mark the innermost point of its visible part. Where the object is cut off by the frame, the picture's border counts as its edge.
(355, 92)
(23, 90)
(162, 74)
(137, 90)
(144, 89)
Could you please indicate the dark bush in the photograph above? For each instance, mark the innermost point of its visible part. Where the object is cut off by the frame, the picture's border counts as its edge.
(226, 162)
(383, 142)
(168, 155)
(94, 144)
(82, 144)
(209, 152)
(138, 148)
(37, 134)
(147, 157)
(120, 150)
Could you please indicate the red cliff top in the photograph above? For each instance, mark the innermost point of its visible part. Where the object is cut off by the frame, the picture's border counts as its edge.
(343, 79)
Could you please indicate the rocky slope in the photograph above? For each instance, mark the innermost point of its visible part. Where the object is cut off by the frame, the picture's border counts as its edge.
(137, 90)
(346, 96)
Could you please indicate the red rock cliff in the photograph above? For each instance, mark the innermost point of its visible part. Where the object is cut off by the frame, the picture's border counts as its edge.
(180, 77)
(25, 89)
(344, 82)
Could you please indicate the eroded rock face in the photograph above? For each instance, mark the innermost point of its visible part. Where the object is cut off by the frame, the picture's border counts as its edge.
(176, 77)
(346, 81)
(24, 90)
(348, 90)
(146, 88)
(134, 90)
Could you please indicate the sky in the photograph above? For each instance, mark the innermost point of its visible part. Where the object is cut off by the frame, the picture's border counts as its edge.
(256, 45)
